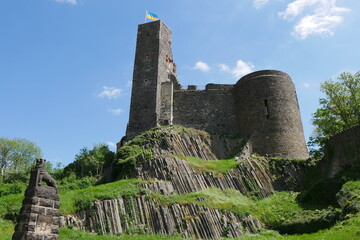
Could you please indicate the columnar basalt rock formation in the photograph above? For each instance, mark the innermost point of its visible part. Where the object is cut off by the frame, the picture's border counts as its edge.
(169, 146)
(261, 106)
(139, 215)
(39, 215)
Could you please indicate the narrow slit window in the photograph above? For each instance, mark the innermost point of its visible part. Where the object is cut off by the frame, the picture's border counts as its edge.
(266, 108)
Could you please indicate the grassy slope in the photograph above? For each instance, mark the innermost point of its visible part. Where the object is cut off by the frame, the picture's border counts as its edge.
(74, 200)
(271, 210)
(346, 230)
(218, 167)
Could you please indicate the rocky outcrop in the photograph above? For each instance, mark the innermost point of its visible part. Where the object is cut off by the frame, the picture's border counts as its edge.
(253, 175)
(248, 177)
(160, 158)
(140, 215)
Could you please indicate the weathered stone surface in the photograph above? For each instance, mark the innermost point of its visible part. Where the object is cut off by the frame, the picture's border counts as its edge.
(261, 106)
(169, 174)
(342, 151)
(147, 216)
(252, 175)
(38, 218)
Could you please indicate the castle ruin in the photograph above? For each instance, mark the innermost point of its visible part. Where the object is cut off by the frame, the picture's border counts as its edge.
(261, 107)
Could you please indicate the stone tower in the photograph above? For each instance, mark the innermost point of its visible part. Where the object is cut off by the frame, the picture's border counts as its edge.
(154, 79)
(261, 107)
(267, 111)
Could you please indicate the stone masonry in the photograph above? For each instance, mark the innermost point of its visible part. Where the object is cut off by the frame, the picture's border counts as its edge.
(262, 106)
(39, 215)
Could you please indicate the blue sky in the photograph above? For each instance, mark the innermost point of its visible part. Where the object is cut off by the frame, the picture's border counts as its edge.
(66, 65)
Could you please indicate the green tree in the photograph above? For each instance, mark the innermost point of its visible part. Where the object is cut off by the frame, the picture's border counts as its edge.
(89, 162)
(16, 157)
(340, 109)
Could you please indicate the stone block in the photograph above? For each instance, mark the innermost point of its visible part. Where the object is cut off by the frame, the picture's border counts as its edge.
(51, 237)
(46, 202)
(56, 221)
(46, 192)
(57, 204)
(29, 227)
(55, 230)
(37, 209)
(32, 236)
(31, 201)
(18, 235)
(53, 212)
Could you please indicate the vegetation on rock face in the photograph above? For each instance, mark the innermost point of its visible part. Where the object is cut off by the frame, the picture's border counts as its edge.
(349, 197)
(218, 167)
(340, 109)
(329, 204)
(78, 199)
(75, 200)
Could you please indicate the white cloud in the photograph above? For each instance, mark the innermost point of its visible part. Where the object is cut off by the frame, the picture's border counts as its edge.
(202, 66)
(116, 111)
(73, 2)
(260, 3)
(322, 20)
(224, 67)
(307, 85)
(111, 145)
(242, 68)
(110, 92)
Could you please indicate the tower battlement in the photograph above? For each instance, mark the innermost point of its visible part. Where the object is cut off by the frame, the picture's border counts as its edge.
(262, 106)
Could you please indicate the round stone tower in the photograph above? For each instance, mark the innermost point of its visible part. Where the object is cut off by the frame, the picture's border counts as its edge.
(267, 112)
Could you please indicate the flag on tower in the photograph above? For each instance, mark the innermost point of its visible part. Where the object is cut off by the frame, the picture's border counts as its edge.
(151, 16)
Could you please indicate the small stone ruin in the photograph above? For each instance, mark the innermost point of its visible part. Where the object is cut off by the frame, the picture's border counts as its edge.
(39, 215)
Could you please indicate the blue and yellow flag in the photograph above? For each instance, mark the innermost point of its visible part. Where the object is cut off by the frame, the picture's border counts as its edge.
(152, 16)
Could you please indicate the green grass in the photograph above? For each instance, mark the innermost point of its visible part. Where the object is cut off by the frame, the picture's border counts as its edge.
(74, 200)
(6, 229)
(272, 210)
(345, 230)
(10, 204)
(218, 167)
(349, 197)
(66, 234)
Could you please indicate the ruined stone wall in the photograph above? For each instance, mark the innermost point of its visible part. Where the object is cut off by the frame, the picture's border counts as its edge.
(210, 109)
(153, 65)
(267, 111)
(261, 106)
(342, 150)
